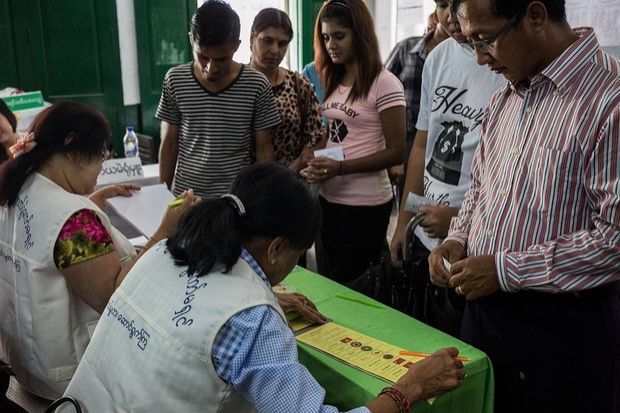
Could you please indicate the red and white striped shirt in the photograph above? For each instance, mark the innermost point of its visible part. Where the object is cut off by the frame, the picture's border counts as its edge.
(545, 194)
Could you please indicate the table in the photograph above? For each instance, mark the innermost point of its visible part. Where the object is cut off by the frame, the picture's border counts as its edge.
(348, 387)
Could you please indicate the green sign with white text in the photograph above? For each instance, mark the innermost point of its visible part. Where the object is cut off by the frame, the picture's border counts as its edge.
(24, 101)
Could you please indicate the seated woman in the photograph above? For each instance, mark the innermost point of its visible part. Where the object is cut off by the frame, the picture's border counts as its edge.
(195, 326)
(8, 131)
(61, 257)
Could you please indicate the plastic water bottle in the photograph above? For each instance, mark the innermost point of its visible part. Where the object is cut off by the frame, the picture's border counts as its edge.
(130, 143)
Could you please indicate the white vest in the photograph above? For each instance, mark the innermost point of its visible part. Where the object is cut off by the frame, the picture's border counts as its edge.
(151, 350)
(45, 327)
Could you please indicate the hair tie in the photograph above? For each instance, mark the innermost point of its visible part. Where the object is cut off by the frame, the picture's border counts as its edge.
(235, 202)
(24, 144)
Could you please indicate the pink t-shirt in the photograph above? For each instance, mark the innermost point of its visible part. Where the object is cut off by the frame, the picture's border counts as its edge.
(356, 127)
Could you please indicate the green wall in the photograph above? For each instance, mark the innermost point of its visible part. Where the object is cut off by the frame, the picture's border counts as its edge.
(75, 55)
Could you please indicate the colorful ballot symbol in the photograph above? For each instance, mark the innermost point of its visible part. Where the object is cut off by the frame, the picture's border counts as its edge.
(346, 340)
(366, 348)
(388, 356)
(356, 344)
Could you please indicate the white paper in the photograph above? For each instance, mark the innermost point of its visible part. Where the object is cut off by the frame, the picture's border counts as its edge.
(414, 201)
(447, 264)
(145, 209)
(335, 153)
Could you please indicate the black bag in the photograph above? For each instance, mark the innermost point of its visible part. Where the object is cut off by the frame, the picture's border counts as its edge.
(405, 285)
(391, 284)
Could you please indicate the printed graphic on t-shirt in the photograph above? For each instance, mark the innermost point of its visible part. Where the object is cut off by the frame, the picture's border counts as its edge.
(447, 158)
(338, 131)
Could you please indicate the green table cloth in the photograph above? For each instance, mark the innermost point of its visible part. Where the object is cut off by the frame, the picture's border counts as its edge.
(348, 387)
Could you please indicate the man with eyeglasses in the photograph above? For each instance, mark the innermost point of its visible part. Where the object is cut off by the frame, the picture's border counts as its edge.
(455, 92)
(536, 246)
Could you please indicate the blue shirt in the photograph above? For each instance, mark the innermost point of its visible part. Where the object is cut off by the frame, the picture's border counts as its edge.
(256, 352)
(310, 72)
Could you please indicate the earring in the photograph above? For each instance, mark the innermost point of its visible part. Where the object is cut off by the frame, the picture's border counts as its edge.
(273, 261)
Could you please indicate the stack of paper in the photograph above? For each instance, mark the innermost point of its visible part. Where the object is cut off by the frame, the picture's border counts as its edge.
(145, 209)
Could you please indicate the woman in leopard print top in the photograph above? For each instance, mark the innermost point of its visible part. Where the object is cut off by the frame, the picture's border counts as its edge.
(301, 127)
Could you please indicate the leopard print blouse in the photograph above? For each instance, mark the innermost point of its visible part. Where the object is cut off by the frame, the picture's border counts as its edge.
(290, 137)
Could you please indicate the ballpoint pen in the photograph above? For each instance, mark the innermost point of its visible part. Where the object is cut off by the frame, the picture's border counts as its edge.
(418, 354)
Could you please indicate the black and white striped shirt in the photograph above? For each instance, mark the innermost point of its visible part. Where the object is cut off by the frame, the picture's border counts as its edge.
(215, 129)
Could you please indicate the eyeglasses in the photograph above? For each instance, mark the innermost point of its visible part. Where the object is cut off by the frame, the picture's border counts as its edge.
(485, 45)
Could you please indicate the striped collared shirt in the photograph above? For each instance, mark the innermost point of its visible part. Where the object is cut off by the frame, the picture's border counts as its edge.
(545, 195)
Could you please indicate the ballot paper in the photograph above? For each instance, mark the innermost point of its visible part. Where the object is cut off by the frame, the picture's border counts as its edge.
(334, 152)
(375, 357)
(145, 209)
(414, 202)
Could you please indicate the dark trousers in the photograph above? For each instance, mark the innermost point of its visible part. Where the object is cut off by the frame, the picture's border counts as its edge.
(351, 238)
(550, 352)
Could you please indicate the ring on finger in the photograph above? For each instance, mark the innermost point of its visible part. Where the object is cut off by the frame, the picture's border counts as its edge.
(325, 171)
(459, 290)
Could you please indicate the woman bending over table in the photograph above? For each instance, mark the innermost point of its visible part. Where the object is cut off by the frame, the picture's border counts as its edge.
(195, 326)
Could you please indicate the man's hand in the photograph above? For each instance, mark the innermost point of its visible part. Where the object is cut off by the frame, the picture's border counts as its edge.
(475, 277)
(452, 251)
(437, 221)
